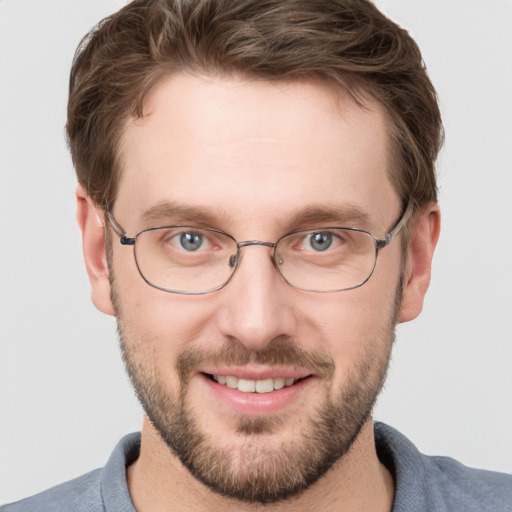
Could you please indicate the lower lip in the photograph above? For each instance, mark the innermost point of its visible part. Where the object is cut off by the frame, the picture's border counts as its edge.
(257, 404)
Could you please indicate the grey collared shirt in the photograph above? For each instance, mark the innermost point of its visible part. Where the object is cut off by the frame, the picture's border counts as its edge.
(423, 483)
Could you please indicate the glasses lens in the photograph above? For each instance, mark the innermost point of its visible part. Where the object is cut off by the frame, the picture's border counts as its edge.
(326, 260)
(185, 259)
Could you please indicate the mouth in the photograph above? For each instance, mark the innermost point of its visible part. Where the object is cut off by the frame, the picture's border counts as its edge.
(255, 386)
(252, 393)
(256, 391)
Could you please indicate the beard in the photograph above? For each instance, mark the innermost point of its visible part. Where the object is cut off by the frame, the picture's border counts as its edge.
(255, 471)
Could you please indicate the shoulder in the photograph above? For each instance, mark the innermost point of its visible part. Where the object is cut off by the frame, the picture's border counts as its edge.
(451, 481)
(80, 494)
(98, 491)
(425, 483)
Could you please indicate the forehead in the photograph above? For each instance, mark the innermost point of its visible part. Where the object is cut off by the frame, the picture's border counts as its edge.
(253, 149)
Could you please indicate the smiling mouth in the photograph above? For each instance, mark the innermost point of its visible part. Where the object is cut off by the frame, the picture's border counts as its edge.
(254, 386)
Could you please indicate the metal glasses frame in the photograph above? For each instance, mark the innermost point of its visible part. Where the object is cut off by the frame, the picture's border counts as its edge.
(234, 262)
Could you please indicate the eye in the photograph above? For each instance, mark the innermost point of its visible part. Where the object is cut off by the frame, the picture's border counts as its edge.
(186, 241)
(315, 242)
(320, 241)
(190, 241)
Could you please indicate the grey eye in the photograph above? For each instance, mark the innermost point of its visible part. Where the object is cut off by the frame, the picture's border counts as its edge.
(320, 241)
(191, 241)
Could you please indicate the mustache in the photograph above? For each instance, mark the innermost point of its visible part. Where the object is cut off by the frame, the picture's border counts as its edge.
(280, 351)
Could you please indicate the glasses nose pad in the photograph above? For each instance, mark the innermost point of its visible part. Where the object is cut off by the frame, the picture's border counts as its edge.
(277, 260)
(233, 260)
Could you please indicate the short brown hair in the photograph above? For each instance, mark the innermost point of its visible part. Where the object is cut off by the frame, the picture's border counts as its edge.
(349, 42)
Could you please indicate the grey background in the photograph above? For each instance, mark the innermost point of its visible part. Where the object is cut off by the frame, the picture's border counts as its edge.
(64, 398)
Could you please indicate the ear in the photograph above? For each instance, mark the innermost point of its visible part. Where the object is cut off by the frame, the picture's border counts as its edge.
(424, 233)
(91, 222)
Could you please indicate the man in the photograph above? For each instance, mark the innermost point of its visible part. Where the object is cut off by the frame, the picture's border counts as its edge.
(307, 133)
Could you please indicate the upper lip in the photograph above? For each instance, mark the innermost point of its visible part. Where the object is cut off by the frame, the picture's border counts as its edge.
(257, 373)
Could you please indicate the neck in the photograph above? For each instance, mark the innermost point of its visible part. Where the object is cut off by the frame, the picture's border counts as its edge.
(158, 482)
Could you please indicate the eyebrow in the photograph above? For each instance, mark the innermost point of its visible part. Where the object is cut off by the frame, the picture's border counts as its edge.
(344, 216)
(174, 212)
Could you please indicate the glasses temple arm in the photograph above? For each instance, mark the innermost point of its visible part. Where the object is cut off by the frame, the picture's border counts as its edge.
(401, 222)
(119, 231)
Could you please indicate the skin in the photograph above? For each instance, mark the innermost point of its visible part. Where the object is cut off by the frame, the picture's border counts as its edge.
(252, 155)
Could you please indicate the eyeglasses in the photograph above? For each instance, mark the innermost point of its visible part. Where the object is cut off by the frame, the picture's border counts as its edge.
(193, 260)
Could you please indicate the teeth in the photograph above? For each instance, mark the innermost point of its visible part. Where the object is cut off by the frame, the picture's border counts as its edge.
(279, 383)
(253, 386)
(232, 382)
(264, 386)
(247, 386)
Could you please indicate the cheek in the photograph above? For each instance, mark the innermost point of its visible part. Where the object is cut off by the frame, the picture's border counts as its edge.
(355, 327)
(166, 322)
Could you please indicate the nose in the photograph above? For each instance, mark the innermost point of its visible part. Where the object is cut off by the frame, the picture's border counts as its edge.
(257, 305)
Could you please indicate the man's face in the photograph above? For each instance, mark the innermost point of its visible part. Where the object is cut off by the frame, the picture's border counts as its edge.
(256, 160)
